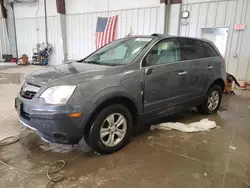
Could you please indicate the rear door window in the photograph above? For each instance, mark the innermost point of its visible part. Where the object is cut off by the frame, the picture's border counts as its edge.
(210, 51)
(192, 49)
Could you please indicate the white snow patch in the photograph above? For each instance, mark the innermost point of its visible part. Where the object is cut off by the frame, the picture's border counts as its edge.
(232, 147)
(203, 125)
(150, 137)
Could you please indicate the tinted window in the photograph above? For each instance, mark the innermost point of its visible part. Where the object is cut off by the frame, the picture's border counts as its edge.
(210, 52)
(164, 52)
(191, 49)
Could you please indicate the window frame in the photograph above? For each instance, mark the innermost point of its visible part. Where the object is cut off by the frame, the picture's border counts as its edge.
(153, 45)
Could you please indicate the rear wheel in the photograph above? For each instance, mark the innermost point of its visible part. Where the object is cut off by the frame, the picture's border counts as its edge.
(212, 101)
(111, 130)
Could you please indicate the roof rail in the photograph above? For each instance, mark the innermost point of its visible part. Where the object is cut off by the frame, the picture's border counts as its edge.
(156, 35)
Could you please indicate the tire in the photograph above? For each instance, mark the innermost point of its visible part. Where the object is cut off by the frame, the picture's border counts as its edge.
(86, 137)
(114, 134)
(205, 108)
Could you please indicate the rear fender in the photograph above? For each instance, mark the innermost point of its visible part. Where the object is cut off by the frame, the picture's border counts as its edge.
(218, 81)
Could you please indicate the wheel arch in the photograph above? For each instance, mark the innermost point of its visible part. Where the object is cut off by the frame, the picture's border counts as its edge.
(220, 82)
(118, 99)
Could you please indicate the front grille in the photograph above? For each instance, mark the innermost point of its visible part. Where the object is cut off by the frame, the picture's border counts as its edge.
(27, 94)
(28, 91)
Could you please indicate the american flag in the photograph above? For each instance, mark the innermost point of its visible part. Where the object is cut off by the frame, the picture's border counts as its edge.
(105, 30)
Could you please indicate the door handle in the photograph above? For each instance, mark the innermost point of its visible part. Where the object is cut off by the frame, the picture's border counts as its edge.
(209, 67)
(182, 73)
(148, 70)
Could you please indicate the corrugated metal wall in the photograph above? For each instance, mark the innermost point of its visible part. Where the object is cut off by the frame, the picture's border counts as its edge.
(81, 27)
(81, 30)
(31, 31)
(4, 40)
(225, 13)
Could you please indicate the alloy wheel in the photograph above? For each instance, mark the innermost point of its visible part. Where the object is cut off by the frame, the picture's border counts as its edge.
(113, 129)
(213, 100)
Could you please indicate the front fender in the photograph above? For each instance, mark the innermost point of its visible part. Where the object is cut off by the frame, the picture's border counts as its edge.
(113, 92)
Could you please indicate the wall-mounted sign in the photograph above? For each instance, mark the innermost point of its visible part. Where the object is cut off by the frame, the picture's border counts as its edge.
(185, 14)
(239, 27)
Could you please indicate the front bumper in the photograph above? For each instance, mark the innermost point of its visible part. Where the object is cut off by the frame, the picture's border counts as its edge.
(52, 122)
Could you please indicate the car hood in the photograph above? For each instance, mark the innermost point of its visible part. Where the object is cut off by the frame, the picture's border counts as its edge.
(71, 73)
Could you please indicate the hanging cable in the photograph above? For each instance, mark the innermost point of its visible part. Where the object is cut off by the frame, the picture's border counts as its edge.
(13, 139)
(108, 9)
(46, 22)
(37, 29)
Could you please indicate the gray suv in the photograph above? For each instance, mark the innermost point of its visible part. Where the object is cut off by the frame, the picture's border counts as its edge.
(127, 83)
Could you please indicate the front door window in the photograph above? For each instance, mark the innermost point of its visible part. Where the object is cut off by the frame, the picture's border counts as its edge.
(164, 52)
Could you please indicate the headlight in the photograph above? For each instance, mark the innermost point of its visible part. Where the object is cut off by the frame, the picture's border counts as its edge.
(58, 94)
(23, 82)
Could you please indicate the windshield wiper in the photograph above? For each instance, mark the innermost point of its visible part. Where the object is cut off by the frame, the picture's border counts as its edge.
(99, 63)
(102, 63)
(93, 62)
(81, 60)
(113, 64)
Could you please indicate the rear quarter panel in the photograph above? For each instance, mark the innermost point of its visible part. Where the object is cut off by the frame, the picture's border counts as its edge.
(220, 63)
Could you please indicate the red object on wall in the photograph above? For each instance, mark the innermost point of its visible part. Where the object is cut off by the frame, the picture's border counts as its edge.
(239, 27)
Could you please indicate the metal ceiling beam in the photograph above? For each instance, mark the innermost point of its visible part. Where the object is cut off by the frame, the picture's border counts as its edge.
(60, 4)
(167, 13)
(3, 9)
(61, 10)
(46, 21)
(172, 1)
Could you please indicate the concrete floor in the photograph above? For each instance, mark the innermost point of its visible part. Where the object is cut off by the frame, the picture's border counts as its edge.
(7, 65)
(170, 159)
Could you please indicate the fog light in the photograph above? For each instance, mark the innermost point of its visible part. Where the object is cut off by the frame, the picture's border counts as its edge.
(75, 115)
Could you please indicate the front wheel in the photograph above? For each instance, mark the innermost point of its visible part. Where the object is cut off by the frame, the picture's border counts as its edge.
(111, 130)
(212, 101)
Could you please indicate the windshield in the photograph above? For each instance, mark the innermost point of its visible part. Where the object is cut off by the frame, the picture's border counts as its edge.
(118, 52)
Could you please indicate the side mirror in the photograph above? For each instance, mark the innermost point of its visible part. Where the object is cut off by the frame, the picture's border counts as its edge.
(148, 70)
